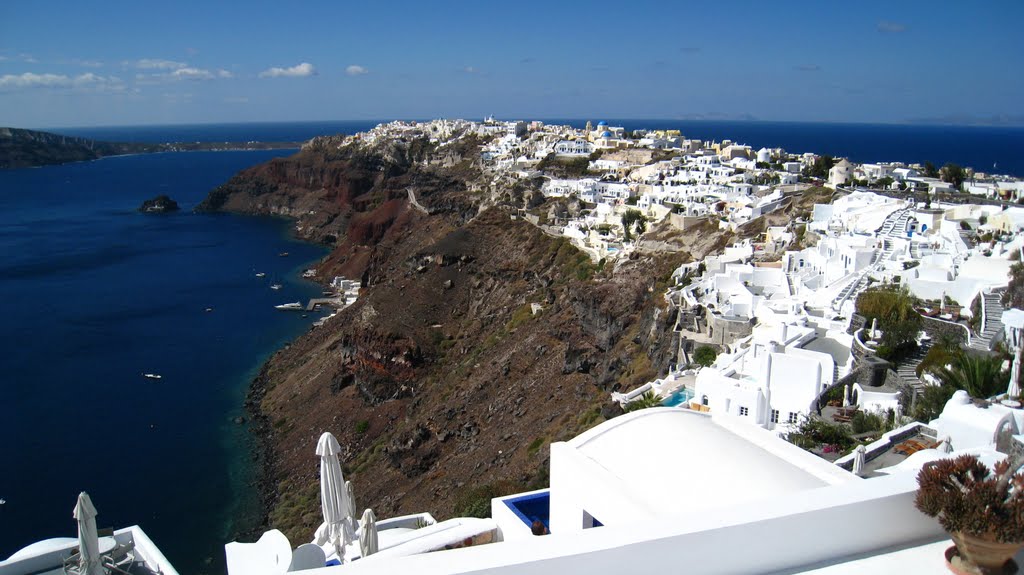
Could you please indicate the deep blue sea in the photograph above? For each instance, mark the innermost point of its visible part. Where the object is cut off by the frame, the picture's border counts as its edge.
(93, 294)
(978, 147)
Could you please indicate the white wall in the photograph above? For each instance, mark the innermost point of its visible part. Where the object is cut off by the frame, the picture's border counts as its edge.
(576, 479)
(785, 534)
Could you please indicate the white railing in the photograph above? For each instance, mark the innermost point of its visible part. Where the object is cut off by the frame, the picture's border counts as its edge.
(984, 319)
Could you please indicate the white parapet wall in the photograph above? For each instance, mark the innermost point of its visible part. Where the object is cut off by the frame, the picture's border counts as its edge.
(786, 534)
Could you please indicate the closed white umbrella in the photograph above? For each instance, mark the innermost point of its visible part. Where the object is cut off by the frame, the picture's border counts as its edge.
(947, 445)
(1013, 390)
(846, 396)
(858, 460)
(351, 512)
(89, 560)
(337, 526)
(368, 533)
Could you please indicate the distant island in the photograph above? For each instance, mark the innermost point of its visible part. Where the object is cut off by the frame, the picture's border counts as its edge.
(21, 148)
(161, 204)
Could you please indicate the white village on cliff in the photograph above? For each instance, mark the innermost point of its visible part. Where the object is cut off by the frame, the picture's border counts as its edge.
(814, 377)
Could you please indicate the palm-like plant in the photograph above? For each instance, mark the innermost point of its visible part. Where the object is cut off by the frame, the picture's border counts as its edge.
(980, 376)
(648, 399)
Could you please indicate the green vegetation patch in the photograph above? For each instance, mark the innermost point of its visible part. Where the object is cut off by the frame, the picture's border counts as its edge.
(476, 501)
(704, 355)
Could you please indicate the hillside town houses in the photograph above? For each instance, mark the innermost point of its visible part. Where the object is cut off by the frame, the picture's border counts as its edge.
(779, 305)
(769, 340)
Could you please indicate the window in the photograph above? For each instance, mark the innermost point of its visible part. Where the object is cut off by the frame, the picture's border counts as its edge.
(744, 411)
(793, 417)
(775, 416)
(703, 400)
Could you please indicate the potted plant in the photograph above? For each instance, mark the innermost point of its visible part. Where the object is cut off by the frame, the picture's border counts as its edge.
(982, 511)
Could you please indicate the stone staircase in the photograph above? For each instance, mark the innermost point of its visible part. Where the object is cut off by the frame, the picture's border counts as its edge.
(968, 237)
(992, 322)
(907, 369)
(854, 288)
(915, 251)
(850, 290)
(890, 222)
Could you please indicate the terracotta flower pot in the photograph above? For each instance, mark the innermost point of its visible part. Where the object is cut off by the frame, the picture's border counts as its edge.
(988, 554)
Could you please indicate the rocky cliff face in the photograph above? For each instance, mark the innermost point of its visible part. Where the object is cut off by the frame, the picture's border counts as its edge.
(477, 339)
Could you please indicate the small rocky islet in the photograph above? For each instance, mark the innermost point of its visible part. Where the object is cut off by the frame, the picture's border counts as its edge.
(161, 204)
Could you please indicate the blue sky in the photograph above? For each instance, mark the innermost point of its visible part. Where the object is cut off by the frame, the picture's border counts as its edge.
(124, 63)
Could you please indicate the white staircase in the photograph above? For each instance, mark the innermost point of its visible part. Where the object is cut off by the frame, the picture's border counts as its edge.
(991, 321)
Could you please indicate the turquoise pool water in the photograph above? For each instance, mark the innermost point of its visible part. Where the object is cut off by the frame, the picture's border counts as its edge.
(678, 397)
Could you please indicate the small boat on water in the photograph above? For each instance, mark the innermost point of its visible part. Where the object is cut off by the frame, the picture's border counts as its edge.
(283, 254)
(209, 309)
(289, 306)
(152, 375)
(261, 274)
(276, 286)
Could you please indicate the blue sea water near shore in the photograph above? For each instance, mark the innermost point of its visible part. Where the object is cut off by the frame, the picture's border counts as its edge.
(93, 294)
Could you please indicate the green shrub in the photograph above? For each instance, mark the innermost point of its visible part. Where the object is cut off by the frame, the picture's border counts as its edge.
(362, 426)
(863, 422)
(535, 445)
(894, 309)
(931, 402)
(813, 432)
(704, 355)
(476, 502)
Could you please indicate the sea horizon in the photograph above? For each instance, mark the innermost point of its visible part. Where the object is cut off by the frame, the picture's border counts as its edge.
(987, 149)
(553, 119)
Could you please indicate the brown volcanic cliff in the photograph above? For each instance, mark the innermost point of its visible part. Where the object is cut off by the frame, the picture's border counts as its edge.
(476, 341)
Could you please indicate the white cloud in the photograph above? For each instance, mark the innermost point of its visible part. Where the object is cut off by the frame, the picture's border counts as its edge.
(23, 57)
(236, 100)
(88, 81)
(89, 63)
(887, 27)
(191, 74)
(198, 74)
(356, 70)
(470, 70)
(30, 80)
(297, 71)
(153, 64)
(186, 73)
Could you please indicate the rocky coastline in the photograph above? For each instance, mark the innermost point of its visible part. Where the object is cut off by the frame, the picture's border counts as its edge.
(478, 339)
(161, 204)
(20, 148)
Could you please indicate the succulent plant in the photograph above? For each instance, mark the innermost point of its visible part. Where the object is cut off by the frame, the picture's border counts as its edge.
(966, 496)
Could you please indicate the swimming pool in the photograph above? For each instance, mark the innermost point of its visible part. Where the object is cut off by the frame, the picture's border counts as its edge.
(680, 396)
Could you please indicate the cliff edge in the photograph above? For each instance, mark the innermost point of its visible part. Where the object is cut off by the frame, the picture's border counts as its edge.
(476, 341)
